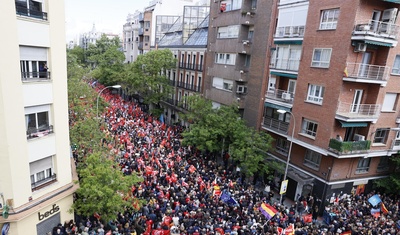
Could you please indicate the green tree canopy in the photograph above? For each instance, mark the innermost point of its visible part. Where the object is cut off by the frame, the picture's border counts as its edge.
(222, 129)
(391, 184)
(147, 76)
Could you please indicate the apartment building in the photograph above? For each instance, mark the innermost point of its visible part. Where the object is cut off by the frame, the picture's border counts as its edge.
(35, 165)
(130, 37)
(333, 93)
(187, 39)
(238, 45)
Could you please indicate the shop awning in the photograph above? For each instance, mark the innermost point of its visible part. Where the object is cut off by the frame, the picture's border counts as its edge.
(288, 42)
(394, 1)
(353, 124)
(288, 75)
(384, 44)
(275, 106)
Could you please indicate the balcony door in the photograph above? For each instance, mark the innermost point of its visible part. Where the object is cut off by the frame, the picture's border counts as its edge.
(376, 16)
(355, 106)
(365, 63)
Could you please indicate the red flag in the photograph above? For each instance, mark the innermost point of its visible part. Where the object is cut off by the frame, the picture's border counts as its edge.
(289, 230)
(202, 186)
(184, 184)
(192, 169)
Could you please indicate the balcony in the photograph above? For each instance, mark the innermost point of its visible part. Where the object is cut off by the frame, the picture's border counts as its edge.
(290, 31)
(176, 103)
(358, 112)
(196, 67)
(366, 73)
(285, 64)
(35, 76)
(188, 86)
(280, 95)
(140, 45)
(44, 130)
(349, 147)
(44, 182)
(141, 17)
(377, 33)
(396, 144)
(275, 124)
(22, 10)
(141, 31)
(247, 18)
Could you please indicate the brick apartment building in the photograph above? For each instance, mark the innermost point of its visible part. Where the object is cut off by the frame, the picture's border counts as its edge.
(334, 69)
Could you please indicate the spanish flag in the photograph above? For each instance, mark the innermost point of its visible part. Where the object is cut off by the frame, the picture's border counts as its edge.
(345, 72)
(383, 209)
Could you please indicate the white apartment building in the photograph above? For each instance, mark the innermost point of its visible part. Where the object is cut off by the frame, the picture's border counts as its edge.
(130, 36)
(36, 176)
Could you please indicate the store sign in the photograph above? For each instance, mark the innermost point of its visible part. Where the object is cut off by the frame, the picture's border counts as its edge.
(48, 213)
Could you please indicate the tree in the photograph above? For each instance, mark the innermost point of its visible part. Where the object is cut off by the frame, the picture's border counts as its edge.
(147, 76)
(107, 60)
(103, 188)
(222, 130)
(391, 184)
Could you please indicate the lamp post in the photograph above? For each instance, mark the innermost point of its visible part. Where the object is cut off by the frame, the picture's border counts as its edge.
(290, 146)
(98, 96)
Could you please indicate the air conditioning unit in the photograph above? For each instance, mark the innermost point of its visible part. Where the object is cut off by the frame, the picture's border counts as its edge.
(360, 47)
(240, 89)
(245, 42)
(247, 22)
(248, 13)
(244, 52)
(241, 71)
(286, 96)
(358, 137)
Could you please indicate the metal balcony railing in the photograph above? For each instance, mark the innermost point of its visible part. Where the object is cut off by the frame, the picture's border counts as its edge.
(24, 11)
(35, 76)
(39, 132)
(377, 29)
(188, 86)
(285, 64)
(177, 103)
(367, 71)
(197, 67)
(349, 147)
(359, 110)
(40, 183)
(281, 95)
(290, 31)
(275, 124)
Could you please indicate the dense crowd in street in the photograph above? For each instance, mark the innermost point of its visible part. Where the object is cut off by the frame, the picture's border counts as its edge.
(182, 188)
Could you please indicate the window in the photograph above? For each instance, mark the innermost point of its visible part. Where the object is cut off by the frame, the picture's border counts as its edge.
(309, 127)
(33, 62)
(282, 146)
(41, 172)
(229, 5)
(363, 165)
(312, 159)
(321, 57)
(221, 58)
(247, 61)
(30, 8)
(383, 164)
(147, 24)
(396, 65)
(37, 121)
(223, 84)
(389, 104)
(231, 31)
(329, 19)
(315, 94)
(381, 135)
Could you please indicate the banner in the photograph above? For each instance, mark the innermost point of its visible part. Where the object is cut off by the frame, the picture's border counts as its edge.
(374, 200)
(284, 187)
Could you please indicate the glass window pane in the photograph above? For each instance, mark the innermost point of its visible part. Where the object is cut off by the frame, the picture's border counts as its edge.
(43, 120)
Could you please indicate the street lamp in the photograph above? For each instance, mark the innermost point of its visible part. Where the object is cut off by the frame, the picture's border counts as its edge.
(290, 146)
(98, 96)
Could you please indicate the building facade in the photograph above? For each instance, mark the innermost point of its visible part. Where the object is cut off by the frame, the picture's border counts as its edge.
(333, 94)
(239, 32)
(130, 37)
(35, 165)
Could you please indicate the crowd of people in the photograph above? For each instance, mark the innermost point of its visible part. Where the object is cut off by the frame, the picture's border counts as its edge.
(182, 188)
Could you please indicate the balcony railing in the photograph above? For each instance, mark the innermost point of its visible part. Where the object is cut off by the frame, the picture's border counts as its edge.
(35, 76)
(177, 103)
(290, 31)
(188, 86)
(275, 124)
(24, 11)
(377, 29)
(359, 110)
(39, 132)
(285, 64)
(44, 182)
(281, 95)
(141, 31)
(367, 71)
(349, 147)
(197, 67)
